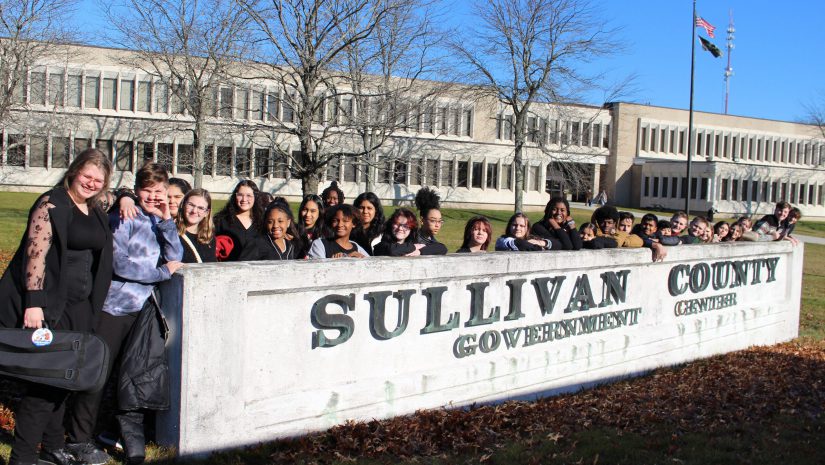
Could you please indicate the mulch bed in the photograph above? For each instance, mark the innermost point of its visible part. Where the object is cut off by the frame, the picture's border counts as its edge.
(746, 387)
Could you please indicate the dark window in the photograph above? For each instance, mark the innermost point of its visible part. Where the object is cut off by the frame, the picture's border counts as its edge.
(478, 168)
(463, 167)
(60, 152)
(811, 195)
(745, 191)
(145, 151)
(764, 191)
(723, 194)
(399, 174)
(694, 184)
(104, 146)
(333, 168)
(656, 186)
(674, 182)
(684, 188)
(664, 186)
(186, 159)
(123, 162)
(774, 191)
(243, 162)
(417, 172)
(165, 156)
(647, 186)
(755, 191)
(15, 150)
(223, 166)
(263, 163)
(734, 193)
(80, 145)
(447, 173)
(704, 189)
(37, 152)
(432, 172)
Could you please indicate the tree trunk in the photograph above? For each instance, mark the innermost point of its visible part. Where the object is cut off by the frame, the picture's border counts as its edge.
(309, 183)
(197, 157)
(518, 165)
(370, 172)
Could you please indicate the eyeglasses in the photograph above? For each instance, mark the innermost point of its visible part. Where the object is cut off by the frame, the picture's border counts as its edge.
(196, 208)
(402, 227)
(435, 221)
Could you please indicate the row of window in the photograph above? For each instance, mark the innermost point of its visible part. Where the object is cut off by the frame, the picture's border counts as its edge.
(35, 151)
(119, 92)
(735, 146)
(771, 191)
(674, 187)
(542, 131)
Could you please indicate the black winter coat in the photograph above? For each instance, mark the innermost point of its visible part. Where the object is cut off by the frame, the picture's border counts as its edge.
(143, 381)
(14, 298)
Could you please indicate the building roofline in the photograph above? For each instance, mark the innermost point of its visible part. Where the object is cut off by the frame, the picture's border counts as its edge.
(609, 104)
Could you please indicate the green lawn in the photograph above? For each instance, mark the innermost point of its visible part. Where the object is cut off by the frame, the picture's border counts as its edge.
(783, 436)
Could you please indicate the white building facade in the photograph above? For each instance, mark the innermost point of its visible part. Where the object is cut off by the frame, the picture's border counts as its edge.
(461, 145)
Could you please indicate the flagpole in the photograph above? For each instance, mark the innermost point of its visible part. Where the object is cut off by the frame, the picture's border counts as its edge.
(690, 113)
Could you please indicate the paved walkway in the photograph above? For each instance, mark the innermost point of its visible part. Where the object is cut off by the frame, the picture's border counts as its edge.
(810, 239)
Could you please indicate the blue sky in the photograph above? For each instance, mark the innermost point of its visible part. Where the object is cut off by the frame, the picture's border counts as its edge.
(778, 62)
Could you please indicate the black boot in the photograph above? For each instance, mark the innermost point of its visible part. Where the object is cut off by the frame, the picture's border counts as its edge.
(134, 441)
(57, 457)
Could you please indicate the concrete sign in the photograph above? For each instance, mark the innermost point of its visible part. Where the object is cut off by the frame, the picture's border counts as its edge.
(272, 349)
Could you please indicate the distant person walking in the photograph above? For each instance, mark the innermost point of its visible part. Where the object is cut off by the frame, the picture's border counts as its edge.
(602, 198)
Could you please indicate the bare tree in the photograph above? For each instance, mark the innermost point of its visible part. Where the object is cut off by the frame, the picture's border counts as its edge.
(384, 75)
(816, 113)
(29, 32)
(191, 47)
(321, 54)
(529, 51)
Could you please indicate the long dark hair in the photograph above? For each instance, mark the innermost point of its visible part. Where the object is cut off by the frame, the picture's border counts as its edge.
(319, 229)
(412, 223)
(548, 209)
(231, 208)
(377, 225)
(292, 230)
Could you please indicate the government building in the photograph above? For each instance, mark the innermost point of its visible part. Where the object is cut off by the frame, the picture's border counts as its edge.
(459, 144)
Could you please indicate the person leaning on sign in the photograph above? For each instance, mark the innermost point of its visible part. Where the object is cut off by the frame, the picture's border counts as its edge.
(147, 250)
(59, 275)
(606, 219)
(517, 237)
(340, 220)
(771, 227)
(558, 226)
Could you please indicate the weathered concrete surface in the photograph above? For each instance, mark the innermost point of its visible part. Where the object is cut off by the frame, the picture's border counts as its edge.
(253, 366)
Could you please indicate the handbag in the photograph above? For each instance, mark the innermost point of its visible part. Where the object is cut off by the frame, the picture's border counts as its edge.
(74, 360)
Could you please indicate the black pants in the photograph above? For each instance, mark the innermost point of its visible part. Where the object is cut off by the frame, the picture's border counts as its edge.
(39, 416)
(114, 330)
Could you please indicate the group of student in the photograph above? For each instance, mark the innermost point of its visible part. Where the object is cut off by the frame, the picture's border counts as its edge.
(90, 260)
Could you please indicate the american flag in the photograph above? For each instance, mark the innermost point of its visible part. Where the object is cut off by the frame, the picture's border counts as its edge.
(708, 27)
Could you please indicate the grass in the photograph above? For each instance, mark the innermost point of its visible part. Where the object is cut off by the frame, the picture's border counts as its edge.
(785, 439)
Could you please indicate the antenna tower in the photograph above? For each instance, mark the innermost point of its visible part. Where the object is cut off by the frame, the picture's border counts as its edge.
(729, 69)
